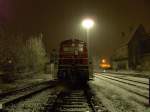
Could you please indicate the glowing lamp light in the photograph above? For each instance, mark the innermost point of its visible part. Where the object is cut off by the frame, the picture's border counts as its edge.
(104, 64)
(88, 23)
(103, 61)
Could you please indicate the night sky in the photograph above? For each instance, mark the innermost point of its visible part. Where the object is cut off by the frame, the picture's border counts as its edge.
(61, 19)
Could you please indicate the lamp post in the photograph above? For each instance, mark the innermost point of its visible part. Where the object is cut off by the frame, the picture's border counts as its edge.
(88, 24)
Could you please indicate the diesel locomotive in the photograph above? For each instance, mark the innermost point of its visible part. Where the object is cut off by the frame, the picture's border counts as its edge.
(73, 61)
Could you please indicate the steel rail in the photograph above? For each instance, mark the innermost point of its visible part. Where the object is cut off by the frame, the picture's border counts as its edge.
(140, 102)
(146, 97)
(127, 79)
(126, 82)
(2, 95)
(6, 101)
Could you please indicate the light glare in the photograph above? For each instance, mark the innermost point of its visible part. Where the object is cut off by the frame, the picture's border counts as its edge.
(87, 23)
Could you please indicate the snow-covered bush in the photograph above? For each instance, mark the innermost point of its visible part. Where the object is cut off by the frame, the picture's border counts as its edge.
(32, 56)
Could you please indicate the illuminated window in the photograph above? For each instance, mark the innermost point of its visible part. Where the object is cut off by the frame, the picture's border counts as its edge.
(103, 61)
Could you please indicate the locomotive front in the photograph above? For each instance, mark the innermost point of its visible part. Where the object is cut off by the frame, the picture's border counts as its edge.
(73, 61)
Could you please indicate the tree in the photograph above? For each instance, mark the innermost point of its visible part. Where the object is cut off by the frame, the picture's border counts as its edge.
(32, 56)
(20, 54)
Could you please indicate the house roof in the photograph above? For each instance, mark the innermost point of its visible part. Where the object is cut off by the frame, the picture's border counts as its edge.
(137, 29)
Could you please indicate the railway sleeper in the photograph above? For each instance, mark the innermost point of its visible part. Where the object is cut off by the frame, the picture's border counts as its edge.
(73, 101)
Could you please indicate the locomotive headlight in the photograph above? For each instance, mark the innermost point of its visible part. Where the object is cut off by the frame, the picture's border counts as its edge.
(9, 61)
(81, 49)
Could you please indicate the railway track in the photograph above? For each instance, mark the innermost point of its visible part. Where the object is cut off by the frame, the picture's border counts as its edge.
(71, 101)
(18, 95)
(125, 77)
(137, 84)
(141, 75)
(25, 88)
(60, 98)
(76, 100)
(136, 87)
(39, 102)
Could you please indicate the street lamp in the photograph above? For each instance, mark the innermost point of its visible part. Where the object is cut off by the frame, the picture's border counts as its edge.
(88, 24)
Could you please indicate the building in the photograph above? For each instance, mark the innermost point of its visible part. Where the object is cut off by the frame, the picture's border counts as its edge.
(119, 59)
(135, 54)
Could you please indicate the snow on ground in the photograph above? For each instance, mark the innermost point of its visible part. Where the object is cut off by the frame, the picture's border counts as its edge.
(128, 80)
(115, 98)
(129, 88)
(138, 89)
(127, 72)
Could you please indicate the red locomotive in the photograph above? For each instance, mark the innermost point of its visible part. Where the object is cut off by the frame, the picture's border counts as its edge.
(73, 61)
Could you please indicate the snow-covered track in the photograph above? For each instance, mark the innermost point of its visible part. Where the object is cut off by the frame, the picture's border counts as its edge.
(18, 95)
(127, 79)
(133, 74)
(135, 87)
(144, 86)
(24, 88)
(75, 100)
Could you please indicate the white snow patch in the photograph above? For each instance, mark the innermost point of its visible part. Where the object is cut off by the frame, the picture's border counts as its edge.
(115, 98)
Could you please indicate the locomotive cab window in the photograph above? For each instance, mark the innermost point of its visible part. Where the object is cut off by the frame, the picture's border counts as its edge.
(67, 49)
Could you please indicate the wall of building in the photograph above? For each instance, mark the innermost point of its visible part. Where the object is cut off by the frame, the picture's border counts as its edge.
(120, 58)
(120, 65)
(145, 62)
(135, 49)
(121, 53)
